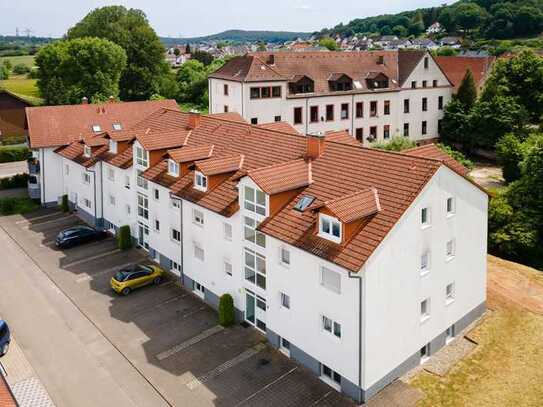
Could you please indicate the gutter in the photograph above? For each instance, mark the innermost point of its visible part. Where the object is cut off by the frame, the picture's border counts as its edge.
(359, 278)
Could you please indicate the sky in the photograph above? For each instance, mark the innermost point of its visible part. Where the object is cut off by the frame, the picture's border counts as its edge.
(187, 18)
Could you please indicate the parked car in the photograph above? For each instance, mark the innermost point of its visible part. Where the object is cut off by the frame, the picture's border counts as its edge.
(5, 337)
(76, 235)
(135, 276)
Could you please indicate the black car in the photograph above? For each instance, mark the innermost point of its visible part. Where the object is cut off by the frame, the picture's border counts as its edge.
(4, 337)
(77, 235)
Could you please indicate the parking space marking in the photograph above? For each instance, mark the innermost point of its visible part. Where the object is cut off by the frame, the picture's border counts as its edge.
(36, 218)
(188, 343)
(69, 217)
(270, 384)
(193, 384)
(98, 256)
(89, 277)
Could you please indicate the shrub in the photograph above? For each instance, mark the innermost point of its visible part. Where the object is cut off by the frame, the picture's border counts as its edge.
(20, 69)
(10, 154)
(11, 206)
(64, 204)
(13, 139)
(226, 310)
(124, 240)
(397, 143)
(16, 181)
(456, 155)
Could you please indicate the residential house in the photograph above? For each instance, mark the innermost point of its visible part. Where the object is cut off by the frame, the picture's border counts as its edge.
(452, 42)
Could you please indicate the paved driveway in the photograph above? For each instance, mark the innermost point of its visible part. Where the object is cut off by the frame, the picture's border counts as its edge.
(12, 168)
(167, 340)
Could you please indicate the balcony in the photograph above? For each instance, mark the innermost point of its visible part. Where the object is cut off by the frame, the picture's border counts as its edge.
(34, 189)
(33, 166)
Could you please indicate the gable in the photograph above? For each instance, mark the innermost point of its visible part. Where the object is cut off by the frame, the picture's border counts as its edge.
(420, 73)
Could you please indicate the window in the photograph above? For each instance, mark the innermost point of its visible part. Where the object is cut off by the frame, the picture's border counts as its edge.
(142, 157)
(304, 202)
(113, 146)
(96, 128)
(143, 206)
(157, 225)
(175, 266)
(276, 91)
(255, 200)
(329, 113)
(434, 83)
(387, 107)
(87, 203)
(67, 169)
(359, 134)
(426, 63)
(265, 93)
(424, 84)
(228, 267)
(197, 217)
(424, 353)
(331, 327)
(117, 126)
(314, 114)
(227, 231)
(277, 118)
(406, 129)
(254, 120)
(128, 209)
(284, 346)
(142, 182)
(425, 263)
(173, 168)
(450, 249)
(298, 115)
(127, 181)
(424, 104)
(331, 280)
(255, 93)
(329, 228)
(87, 151)
(225, 108)
(373, 133)
(413, 84)
(251, 234)
(284, 256)
(198, 251)
(450, 206)
(424, 129)
(344, 111)
(330, 374)
(176, 203)
(255, 268)
(176, 235)
(406, 105)
(425, 309)
(86, 178)
(373, 109)
(111, 174)
(440, 103)
(200, 181)
(359, 109)
(450, 334)
(112, 200)
(425, 216)
(285, 301)
(449, 293)
(156, 194)
(386, 131)
(225, 89)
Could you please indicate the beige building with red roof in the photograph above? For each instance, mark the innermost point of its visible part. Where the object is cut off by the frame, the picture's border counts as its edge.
(374, 95)
(358, 263)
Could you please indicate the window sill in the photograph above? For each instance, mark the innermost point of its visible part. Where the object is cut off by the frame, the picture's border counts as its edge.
(424, 272)
(424, 319)
(450, 215)
(449, 301)
(449, 258)
(426, 226)
(201, 225)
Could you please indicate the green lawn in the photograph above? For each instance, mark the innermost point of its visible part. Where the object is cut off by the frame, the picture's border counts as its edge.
(12, 206)
(26, 88)
(28, 60)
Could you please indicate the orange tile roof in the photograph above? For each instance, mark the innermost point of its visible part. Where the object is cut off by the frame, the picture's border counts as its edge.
(157, 140)
(53, 126)
(280, 126)
(221, 165)
(283, 176)
(342, 136)
(121, 160)
(433, 152)
(7, 399)
(188, 153)
(74, 152)
(356, 205)
(455, 68)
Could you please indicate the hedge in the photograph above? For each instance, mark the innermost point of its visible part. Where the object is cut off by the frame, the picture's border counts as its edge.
(124, 240)
(16, 181)
(226, 310)
(11, 206)
(64, 203)
(10, 154)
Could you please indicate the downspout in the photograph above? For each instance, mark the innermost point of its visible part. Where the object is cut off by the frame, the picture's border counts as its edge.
(242, 99)
(352, 115)
(210, 96)
(359, 277)
(42, 173)
(102, 193)
(306, 107)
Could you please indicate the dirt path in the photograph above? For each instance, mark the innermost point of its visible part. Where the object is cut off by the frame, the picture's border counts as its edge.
(488, 175)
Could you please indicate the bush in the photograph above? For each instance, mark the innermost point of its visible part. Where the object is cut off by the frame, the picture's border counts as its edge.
(13, 139)
(11, 206)
(397, 143)
(124, 240)
(226, 310)
(20, 69)
(10, 154)
(64, 203)
(456, 155)
(16, 181)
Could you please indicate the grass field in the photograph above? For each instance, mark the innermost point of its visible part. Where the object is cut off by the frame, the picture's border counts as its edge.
(28, 60)
(505, 368)
(26, 88)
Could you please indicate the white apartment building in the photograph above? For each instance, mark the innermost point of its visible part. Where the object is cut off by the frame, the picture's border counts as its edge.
(374, 95)
(357, 263)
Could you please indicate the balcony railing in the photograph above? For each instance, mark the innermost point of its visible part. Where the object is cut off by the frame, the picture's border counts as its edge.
(33, 167)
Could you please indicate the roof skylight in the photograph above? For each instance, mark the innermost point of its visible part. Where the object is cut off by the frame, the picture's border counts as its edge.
(304, 202)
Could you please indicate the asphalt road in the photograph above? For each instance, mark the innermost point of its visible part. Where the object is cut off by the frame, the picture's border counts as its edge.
(13, 168)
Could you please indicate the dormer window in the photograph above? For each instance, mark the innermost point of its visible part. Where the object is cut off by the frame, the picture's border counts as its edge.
(113, 146)
(330, 228)
(255, 201)
(340, 82)
(142, 157)
(87, 151)
(377, 80)
(117, 126)
(200, 181)
(96, 128)
(301, 84)
(173, 168)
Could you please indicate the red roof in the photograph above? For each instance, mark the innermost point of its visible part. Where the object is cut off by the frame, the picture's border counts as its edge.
(356, 205)
(221, 165)
(282, 177)
(6, 396)
(342, 136)
(435, 153)
(188, 154)
(52, 126)
(455, 68)
(280, 126)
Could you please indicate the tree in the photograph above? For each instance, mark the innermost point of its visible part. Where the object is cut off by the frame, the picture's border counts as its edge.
(227, 316)
(129, 29)
(4, 72)
(397, 143)
(456, 155)
(204, 57)
(64, 206)
(509, 151)
(328, 43)
(176, 52)
(468, 16)
(7, 64)
(467, 92)
(124, 240)
(21, 69)
(192, 81)
(416, 27)
(73, 69)
(400, 31)
(261, 46)
(456, 124)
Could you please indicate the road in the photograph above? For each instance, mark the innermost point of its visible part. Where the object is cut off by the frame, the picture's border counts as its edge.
(13, 168)
(77, 364)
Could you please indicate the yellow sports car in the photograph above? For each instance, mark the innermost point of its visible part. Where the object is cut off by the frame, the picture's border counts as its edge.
(135, 276)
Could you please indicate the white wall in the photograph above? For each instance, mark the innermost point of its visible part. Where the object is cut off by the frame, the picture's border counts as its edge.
(394, 287)
(50, 175)
(218, 100)
(117, 213)
(77, 189)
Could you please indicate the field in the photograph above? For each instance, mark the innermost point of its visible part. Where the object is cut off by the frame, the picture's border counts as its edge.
(28, 60)
(26, 88)
(505, 368)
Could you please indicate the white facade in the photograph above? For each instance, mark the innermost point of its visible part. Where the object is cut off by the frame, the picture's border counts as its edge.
(430, 82)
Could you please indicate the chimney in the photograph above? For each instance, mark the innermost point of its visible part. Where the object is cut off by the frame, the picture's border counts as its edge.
(194, 119)
(315, 145)
(380, 60)
(271, 59)
(84, 100)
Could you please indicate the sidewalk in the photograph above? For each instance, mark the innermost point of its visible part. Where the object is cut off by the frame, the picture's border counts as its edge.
(22, 379)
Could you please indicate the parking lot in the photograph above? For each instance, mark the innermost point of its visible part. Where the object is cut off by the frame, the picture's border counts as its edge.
(169, 336)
